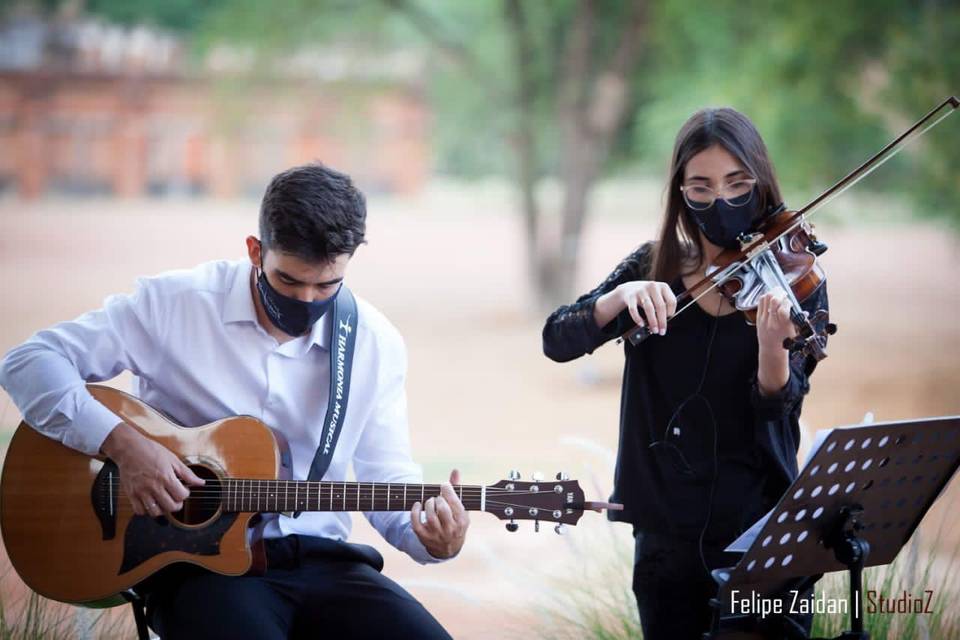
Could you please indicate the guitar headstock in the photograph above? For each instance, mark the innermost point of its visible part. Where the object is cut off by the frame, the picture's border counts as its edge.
(559, 502)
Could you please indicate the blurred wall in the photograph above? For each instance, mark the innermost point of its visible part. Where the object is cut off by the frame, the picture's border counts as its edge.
(87, 109)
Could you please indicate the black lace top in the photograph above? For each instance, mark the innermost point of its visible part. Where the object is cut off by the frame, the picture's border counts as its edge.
(721, 457)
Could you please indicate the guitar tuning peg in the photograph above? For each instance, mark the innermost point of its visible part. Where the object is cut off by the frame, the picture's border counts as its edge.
(514, 474)
(512, 526)
(560, 529)
(537, 476)
(536, 526)
(563, 475)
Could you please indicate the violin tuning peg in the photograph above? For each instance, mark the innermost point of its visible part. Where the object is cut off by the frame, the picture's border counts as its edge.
(512, 526)
(537, 476)
(816, 247)
(514, 474)
(560, 529)
(562, 475)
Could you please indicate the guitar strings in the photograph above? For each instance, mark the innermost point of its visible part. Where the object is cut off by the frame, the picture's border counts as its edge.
(367, 497)
(364, 489)
(496, 503)
(214, 496)
(382, 506)
(350, 490)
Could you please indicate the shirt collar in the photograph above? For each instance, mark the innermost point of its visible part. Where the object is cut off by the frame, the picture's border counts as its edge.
(320, 333)
(239, 307)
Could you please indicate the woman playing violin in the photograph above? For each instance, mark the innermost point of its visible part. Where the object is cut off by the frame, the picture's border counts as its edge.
(710, 405)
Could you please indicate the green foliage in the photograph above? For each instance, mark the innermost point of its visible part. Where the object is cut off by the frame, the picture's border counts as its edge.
(826, 89)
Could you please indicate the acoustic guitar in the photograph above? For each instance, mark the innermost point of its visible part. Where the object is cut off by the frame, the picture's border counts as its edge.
(72, 536)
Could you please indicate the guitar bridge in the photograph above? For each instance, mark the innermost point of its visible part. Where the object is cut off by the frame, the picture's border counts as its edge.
(104, 497)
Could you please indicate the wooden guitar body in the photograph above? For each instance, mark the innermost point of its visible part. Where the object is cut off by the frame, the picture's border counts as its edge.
(73, 537)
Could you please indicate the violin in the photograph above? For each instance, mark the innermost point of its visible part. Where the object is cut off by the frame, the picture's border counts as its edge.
(782, 250)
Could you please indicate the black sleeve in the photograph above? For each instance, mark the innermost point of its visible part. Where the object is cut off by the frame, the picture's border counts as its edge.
(778, 415)
(571, 331)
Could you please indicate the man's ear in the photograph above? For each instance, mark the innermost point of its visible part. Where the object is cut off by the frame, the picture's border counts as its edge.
(253, 251)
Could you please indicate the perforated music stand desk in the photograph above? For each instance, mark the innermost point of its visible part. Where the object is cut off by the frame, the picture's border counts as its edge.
(855, 504)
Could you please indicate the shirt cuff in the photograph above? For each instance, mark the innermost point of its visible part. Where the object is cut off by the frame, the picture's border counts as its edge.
(90, 425)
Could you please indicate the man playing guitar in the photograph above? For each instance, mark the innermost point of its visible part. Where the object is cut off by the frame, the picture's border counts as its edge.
(254, 338)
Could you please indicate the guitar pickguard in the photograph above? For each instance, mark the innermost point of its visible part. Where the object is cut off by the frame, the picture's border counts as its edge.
(146, 537)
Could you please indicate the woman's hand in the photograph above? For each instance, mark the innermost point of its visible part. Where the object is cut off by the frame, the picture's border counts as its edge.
(773, 327)
(655, 298)
(773, 320)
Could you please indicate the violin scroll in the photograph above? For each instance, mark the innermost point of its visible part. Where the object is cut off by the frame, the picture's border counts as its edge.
(809, 340)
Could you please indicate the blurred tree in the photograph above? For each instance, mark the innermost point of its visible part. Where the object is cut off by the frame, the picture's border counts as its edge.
(595, 85)
(561, 76)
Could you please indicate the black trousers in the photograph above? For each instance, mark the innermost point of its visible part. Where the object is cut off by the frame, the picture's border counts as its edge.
(313, 588)
(673, 590)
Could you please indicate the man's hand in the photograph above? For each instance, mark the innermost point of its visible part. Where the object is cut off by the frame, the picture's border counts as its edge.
(445, 529)
(151, 475)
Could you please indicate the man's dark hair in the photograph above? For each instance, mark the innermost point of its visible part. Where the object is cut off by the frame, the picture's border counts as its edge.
(314, 213)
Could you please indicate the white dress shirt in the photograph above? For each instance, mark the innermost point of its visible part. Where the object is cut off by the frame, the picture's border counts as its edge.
(199, 354)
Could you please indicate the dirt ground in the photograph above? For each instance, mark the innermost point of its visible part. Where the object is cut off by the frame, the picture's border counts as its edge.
(447, 269)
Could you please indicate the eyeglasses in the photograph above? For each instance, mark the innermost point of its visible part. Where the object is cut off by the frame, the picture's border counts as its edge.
(736, 194)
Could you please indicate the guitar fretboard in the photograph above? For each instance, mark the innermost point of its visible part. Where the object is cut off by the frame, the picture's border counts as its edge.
(297, 495)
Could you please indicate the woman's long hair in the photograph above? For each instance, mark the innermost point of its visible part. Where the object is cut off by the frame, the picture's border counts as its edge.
(679, 248)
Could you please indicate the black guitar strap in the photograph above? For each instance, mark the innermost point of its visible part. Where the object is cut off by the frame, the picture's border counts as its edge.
(343, 337)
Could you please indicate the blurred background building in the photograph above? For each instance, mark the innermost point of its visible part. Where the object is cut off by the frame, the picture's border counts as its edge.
(91, 108)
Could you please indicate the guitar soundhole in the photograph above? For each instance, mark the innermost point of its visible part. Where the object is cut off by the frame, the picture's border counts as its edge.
(203, 502)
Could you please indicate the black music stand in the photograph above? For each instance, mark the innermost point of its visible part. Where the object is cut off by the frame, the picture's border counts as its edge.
(855, 504)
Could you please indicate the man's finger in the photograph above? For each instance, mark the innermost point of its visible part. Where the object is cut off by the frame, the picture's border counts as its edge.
(186, 474)
(415, 519)
(453, 500)
(164, 503)
(445, 516)
(430, 508)
(176, 489)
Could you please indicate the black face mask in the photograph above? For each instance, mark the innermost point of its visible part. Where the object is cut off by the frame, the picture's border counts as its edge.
(722, 224)
(293, 317)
